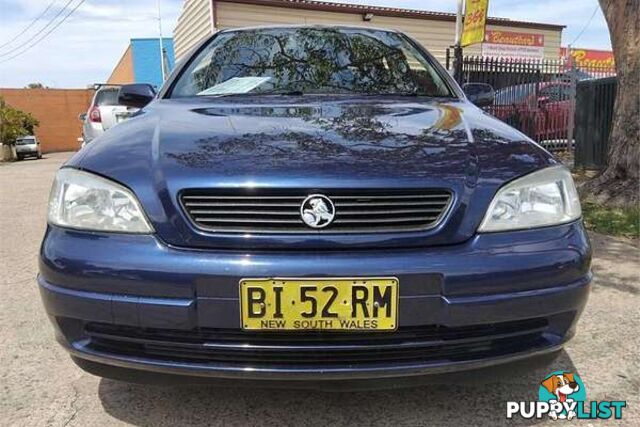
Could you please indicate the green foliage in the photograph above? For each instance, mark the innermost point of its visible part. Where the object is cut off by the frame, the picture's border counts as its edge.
(615, 221)
(14, 123)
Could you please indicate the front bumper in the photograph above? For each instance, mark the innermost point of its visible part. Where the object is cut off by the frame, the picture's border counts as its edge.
(133, 302)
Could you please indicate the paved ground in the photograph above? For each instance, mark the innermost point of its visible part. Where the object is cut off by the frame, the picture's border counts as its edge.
(41, 386)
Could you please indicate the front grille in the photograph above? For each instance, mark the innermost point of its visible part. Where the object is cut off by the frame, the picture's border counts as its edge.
(407, 344)
(265, 211)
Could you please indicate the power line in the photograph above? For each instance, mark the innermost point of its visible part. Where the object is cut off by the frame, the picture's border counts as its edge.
(46, 34)
(586, 25)
(39, 32)
(24, 30)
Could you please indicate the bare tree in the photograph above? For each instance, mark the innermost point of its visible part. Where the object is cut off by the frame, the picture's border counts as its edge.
(619, 183)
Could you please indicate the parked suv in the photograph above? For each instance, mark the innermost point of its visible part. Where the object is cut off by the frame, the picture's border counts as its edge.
(311, 203)
(104, 112)
(28, 146)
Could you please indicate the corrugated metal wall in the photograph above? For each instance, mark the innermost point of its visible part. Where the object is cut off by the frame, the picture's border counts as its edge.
(435, 35)
(595, 100)
(194, 24)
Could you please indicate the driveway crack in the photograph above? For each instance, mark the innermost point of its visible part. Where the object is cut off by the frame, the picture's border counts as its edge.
(74, 401)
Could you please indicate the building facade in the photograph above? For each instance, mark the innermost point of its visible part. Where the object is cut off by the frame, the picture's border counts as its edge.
(140, 62)
(201, 18)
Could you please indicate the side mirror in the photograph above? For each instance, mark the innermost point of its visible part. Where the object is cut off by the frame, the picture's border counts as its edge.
(481, 94)
(82, 117)
(136, 95)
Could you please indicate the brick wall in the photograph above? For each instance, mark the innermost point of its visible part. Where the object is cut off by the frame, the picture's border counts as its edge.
(57, 110)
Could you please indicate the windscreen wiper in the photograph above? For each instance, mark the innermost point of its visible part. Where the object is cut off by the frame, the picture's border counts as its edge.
(282, 93)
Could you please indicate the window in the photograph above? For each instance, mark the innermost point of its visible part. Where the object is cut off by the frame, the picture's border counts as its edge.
(107, 97)
(556, 93)
(25, 141)
(515, 94)
(312, 61)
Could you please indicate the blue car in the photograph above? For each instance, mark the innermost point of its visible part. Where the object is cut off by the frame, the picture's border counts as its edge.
(305, 204)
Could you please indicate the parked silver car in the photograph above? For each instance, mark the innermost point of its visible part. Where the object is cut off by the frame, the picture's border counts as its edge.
(104, 112)
(28, 146)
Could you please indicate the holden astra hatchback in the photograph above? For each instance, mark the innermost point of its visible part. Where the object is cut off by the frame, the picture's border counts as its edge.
(311, 204)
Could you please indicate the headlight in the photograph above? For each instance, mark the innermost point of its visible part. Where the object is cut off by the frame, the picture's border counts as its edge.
(542, 198)
(86, 201)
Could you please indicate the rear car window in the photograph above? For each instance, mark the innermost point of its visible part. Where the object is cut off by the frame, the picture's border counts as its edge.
(515, 94)
(556, 93)
(107, 97)
(25, 141)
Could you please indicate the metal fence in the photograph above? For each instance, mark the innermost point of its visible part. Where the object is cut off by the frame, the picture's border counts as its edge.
(537, 97)
(595, 100)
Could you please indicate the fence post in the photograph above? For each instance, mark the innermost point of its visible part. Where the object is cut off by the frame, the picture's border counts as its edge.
(457, 64)
(572, 110)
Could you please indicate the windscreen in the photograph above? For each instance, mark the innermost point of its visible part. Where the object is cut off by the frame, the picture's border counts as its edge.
(311, 61)
(25, 141)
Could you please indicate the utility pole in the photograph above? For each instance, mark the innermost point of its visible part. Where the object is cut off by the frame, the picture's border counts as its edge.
(161, 44)
(457, 48)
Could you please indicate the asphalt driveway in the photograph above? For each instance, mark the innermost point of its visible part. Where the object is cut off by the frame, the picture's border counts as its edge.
(41, 386)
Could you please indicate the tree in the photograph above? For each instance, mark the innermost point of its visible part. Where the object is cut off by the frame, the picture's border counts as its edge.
(14, 123)
(35, 86)
(619, 183)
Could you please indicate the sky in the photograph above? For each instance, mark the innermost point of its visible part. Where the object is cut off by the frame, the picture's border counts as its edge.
(85, 48)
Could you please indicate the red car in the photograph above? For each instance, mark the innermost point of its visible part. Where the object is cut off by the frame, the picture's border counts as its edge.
(540, 110)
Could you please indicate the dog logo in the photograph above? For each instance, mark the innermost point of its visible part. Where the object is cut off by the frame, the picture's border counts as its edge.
(317, 211)
(563, 396)
(561, 385)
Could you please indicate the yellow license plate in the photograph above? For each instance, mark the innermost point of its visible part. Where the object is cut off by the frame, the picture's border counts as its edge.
(360, 304)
